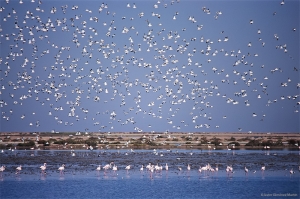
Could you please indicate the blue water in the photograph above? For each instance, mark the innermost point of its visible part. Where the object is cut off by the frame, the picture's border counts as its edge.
(140, 185)
(80, 179)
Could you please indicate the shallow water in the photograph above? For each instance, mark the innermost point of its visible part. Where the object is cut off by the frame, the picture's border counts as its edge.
(81, 180)
(138, 185)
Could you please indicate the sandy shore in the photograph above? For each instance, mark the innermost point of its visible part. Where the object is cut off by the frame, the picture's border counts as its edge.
(78, 140)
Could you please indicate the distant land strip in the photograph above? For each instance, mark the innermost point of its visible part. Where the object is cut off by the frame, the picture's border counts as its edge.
(144, 140)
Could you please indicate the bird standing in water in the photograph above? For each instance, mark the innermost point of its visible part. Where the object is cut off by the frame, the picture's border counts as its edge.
(43, 169)
(61, 169)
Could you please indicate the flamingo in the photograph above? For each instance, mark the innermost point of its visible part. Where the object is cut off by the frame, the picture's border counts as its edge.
(263, 168)
(205, 168)
(167, 167)
(179, 168)
(246, 171)
(61, 169)
(108, 166)
(127, 168)
(18, 169)
(142, 168)
(229, 169)
(200, 170)
(43, 168)
(98, 169)
(188, 167)
(148, 166)
(292, 171)
(151, 168)
(158, 168)
(115, 168)
(2, 168)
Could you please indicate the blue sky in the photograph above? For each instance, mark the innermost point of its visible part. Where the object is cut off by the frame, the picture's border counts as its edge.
(124, 66)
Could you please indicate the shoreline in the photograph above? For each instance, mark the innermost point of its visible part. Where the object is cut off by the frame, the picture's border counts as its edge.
(119, 140)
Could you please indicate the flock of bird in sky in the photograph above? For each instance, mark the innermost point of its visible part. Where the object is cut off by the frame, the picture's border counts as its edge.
(149, 66)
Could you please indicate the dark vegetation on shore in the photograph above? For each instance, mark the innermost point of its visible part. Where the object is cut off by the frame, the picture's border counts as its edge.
(146, 140)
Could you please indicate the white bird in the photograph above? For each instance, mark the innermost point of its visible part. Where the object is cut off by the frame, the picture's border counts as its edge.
(61, 169)
(2, 168)
(43, 168)
(18, 169)
(188, 167)
(108, 166)
(98, 168)
(142, 168)
(127, 168)
(148, 166)
(115, 168)
(246, 170)
(167, 167)
(292, 171)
